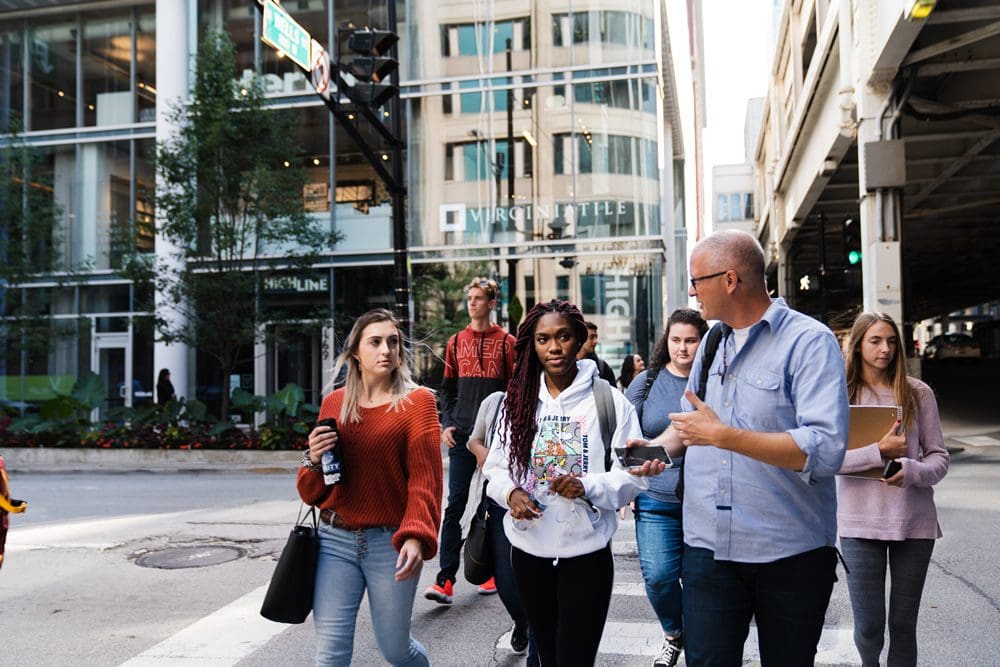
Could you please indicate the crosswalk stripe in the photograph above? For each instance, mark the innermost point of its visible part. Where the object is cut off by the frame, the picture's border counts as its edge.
(221, 639)
(836, 645)
(633, 589)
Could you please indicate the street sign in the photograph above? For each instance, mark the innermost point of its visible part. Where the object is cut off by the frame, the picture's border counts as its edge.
(320, 70)
(282, 32)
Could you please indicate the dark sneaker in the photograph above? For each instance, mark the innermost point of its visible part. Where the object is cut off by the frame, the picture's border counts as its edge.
(442, 594)
(519, 639)
(670, 653)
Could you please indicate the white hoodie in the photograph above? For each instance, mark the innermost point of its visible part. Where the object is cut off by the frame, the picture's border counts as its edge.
(569, 437)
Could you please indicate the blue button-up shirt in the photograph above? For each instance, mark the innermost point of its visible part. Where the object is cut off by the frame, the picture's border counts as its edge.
(788, 376)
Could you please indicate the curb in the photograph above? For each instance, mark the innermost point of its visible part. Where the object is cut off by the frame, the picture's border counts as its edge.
(151, 460)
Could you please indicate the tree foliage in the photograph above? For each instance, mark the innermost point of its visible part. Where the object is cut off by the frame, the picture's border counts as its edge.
(31, 248)
(439, 297)
(230, 201)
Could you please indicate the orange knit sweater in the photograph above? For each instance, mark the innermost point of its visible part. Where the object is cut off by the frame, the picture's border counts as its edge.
(392, 470)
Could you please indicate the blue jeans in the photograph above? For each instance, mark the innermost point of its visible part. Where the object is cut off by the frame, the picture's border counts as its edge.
(350, 562)
(787, 597)
(659, 535)
(461, 466)
(907, 561)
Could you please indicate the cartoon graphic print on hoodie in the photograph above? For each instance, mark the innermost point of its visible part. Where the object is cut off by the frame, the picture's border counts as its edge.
(569, 438)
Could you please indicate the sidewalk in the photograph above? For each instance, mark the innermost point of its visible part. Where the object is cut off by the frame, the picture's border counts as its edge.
(965, 439)
(59, 460)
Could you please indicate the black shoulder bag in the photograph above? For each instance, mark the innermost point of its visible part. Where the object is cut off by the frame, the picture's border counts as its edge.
(289, 597)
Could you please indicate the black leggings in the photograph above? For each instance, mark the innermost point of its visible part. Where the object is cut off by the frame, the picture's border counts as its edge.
(566, 603)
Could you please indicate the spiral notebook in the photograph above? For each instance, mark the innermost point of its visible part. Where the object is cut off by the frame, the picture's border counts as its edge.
(868, 424)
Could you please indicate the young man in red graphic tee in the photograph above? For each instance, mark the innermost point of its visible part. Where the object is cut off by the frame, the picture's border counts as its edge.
(479, 360)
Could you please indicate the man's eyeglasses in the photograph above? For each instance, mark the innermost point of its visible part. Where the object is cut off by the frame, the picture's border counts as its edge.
(695, 281)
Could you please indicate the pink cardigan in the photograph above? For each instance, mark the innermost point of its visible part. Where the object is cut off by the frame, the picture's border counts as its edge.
(870, 509)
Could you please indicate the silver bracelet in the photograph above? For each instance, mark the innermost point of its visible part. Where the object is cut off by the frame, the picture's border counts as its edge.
(309, 465)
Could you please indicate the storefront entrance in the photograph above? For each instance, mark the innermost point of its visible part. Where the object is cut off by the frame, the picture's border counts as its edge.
(111, 359)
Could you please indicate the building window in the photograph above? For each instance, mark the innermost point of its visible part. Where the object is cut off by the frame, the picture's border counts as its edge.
(616, 93)
(722, 208)
(477, 102)
(53, 75)
(612, 27)
(606, 154)
(478, 161)
(107, 57)
(473, 39)
(733, 206)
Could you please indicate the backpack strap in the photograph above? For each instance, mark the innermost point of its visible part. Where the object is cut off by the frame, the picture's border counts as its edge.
(493, 422)
(712, 340)
(650, 379)
(607, 417)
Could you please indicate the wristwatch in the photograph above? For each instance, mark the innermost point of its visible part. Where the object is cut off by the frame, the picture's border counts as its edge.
(309, 465)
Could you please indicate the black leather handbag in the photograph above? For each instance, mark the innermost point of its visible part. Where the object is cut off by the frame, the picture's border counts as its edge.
(478, 552)
(289, 597)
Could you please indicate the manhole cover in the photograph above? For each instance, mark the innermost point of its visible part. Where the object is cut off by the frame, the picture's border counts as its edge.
(179, 557)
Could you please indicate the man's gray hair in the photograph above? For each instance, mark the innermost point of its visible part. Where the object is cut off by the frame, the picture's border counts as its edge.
(734, 249)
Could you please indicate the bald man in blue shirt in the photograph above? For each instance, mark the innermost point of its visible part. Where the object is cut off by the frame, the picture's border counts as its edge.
(761, 452)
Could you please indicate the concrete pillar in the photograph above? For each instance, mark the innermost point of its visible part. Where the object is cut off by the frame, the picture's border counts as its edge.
(882, 283)
(172, 86)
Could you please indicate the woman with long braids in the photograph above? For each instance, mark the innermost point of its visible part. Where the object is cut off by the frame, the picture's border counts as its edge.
(548, 469)
(889, 523)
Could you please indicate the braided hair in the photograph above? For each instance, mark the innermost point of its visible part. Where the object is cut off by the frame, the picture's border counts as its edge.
(521, 402)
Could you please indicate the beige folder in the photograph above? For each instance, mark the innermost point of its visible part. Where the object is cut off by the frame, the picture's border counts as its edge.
(868, 423)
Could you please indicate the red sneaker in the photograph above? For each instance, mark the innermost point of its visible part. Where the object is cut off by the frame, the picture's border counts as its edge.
(488, 587)
(440, 594)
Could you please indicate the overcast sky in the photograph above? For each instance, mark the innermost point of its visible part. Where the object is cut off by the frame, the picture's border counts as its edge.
(738, 53)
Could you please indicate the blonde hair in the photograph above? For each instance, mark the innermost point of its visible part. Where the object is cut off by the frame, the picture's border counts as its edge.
(402, 381)
(895, 374)
(488, 285)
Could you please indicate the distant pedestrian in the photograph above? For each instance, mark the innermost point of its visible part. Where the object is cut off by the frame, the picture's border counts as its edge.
(164, 388)
(632, 364)
(659, 529)
(763, 447)
(479, 360)
(548, 469)
(589, 351)
(889, 522)
(380, 522)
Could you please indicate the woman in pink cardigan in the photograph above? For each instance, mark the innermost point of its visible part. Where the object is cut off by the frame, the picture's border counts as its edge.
(889, 521)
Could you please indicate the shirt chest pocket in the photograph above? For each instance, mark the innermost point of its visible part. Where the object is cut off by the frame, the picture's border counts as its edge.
(761, 397)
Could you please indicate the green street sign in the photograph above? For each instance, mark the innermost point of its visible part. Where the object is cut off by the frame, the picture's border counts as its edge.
(282, 32)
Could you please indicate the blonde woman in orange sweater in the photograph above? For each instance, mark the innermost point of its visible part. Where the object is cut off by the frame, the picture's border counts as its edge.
(380, 522)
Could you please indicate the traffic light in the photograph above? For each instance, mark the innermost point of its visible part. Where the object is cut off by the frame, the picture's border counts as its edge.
(362, 76)
(852, 242)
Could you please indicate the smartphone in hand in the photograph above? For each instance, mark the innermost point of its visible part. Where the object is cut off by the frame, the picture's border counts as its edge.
(634, 457)
(891, 468)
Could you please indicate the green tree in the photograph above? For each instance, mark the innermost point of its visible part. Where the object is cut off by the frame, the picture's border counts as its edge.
(30, 250)
(439, 298)
(230, 200)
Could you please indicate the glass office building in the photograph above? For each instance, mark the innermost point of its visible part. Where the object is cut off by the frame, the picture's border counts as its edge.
(543, 147)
